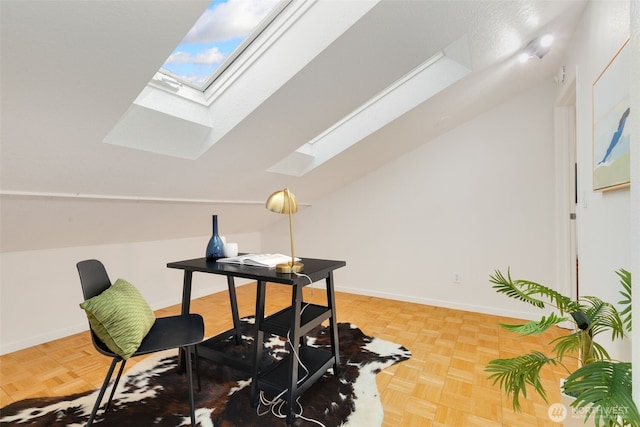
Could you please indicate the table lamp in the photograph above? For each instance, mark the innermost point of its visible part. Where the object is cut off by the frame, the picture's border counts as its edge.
(284, 202)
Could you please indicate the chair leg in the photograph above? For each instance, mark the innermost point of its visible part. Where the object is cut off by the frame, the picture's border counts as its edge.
(115, 385)
(102, 390)
(195, 348)
(190, 385)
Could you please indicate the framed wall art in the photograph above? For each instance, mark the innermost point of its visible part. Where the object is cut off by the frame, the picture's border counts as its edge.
(611, 136)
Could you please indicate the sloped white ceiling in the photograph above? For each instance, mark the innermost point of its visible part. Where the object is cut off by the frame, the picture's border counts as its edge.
(70, 70)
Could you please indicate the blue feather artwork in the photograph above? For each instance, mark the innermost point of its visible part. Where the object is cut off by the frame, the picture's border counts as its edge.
(612, 156)
(615, 139)
(611, 132)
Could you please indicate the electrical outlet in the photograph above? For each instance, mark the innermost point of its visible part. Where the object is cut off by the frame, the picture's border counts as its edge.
(456, 277)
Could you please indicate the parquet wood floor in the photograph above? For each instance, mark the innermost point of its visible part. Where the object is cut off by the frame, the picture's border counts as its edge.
(442, 385)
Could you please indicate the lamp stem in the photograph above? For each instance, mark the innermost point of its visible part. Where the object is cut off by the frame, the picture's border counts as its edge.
(293, 258)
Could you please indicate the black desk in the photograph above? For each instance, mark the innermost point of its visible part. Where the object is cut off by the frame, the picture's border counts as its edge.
(294, 322)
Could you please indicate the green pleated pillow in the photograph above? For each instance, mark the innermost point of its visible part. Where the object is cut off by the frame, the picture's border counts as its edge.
(120, 317)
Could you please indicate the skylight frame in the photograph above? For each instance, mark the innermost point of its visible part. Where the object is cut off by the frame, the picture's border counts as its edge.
(235, 54)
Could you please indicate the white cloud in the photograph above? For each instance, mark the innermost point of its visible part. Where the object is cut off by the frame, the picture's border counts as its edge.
(207, 57)
(177, 58)
(236, 18)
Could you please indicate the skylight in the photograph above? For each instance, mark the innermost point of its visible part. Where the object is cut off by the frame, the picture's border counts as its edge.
(223, 31)
(174, 118)
(429, 78)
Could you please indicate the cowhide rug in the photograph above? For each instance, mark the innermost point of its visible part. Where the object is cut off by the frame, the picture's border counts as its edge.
(152, 392)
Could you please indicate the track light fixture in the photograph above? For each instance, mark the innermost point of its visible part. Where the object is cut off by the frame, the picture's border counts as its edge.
(538, 47)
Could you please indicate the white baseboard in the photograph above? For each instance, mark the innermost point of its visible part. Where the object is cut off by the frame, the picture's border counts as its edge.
(442, 303)
(43, 338)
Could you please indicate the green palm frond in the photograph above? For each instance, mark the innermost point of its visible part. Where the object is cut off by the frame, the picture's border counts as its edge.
(625, 281)
(598, 352)
(526, 291)
(514, 374)
(603, 316)
(570, 343)
(506, 286)
(581, 344)
(533, 327)
(603, 389)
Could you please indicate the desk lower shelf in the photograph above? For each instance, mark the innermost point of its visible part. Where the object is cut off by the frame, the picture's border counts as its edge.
(223, 349)
(280, 322)
(316, 361)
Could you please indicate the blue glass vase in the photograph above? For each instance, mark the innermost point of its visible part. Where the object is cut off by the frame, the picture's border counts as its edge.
(215, 246)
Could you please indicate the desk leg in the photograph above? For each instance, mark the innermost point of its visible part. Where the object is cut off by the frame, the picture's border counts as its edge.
(234, 308)
(333, 324)
(297, 298)
(186, 292)
(186, 306)
(294, 337)
(258, 342)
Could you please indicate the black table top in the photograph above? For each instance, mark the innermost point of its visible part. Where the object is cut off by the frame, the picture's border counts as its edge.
(315, 269)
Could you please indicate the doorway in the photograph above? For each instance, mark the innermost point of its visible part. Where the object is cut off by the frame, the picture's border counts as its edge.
(566, 192)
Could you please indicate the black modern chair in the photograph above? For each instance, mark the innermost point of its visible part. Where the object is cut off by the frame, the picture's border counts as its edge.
(183, 331)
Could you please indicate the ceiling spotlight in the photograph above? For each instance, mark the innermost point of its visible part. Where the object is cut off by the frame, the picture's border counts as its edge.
(539, 47)
(524, 57)
(546, 40)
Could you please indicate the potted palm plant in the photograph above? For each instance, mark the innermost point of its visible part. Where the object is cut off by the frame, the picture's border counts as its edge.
(601, 385)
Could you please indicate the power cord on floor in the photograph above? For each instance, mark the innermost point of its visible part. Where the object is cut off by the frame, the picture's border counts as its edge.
(278, 408)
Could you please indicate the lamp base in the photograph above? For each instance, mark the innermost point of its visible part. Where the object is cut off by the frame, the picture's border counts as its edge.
(286, 267)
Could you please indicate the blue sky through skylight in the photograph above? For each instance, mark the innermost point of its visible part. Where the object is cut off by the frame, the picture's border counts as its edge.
(214, 37)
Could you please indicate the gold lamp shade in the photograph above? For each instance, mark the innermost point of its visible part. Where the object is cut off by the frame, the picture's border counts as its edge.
(284, 202)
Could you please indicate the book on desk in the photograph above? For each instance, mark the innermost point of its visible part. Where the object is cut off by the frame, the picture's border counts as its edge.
(258, 260)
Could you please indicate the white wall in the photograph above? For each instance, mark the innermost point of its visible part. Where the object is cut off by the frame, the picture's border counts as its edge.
(477, 199)
(604, 218)
(40, 290)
